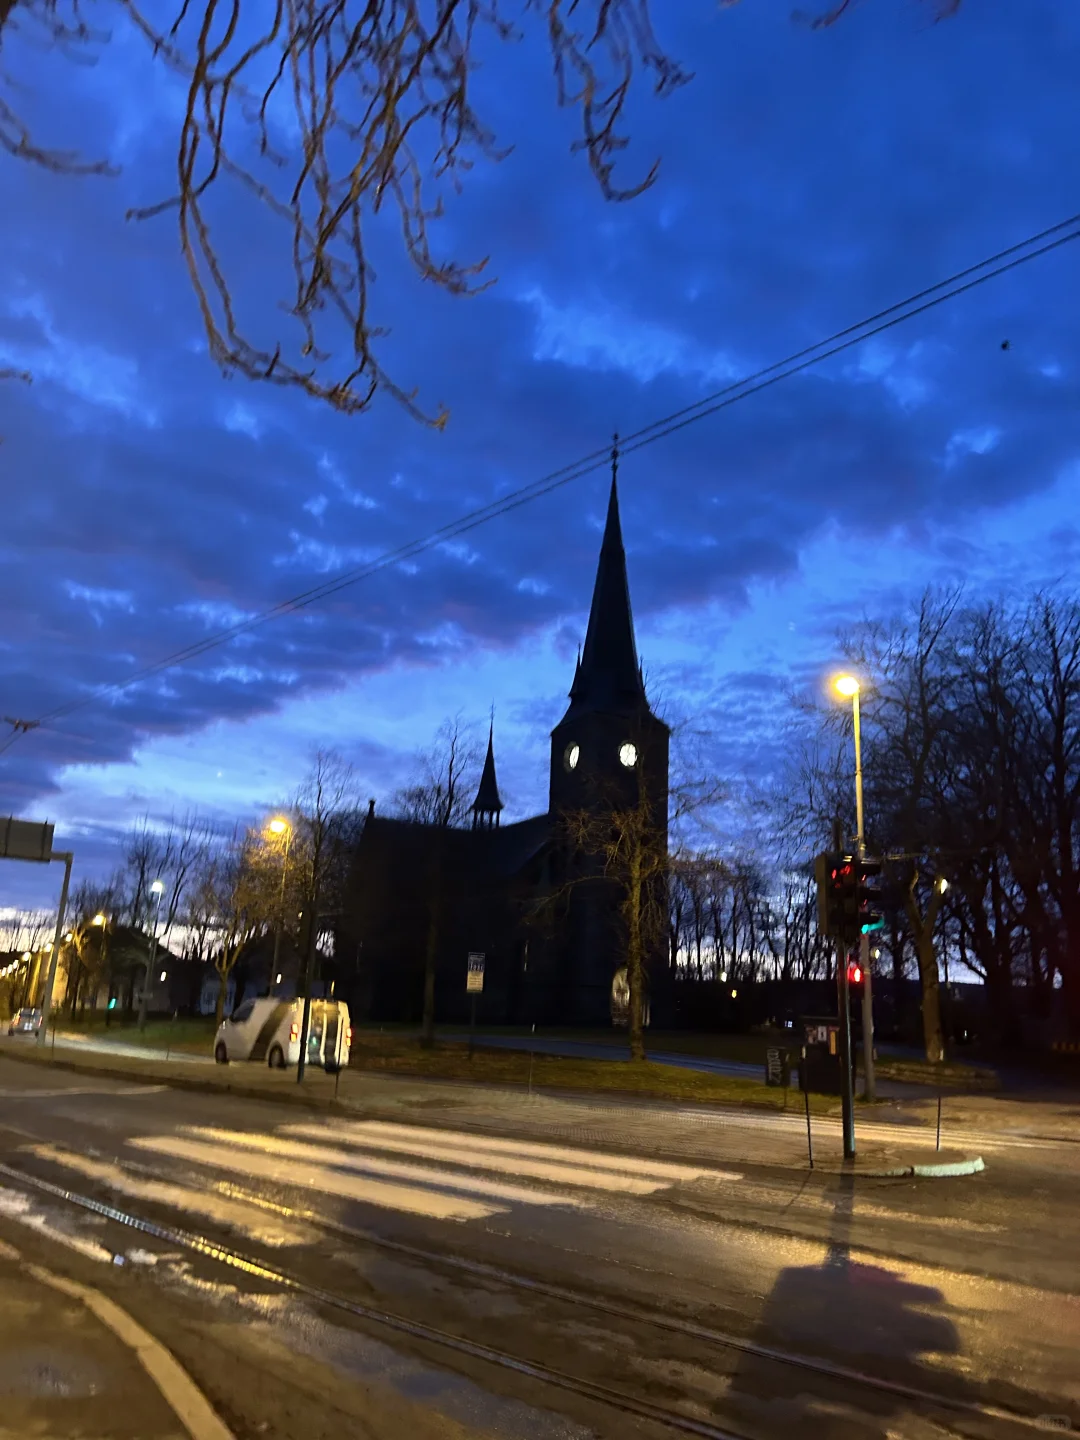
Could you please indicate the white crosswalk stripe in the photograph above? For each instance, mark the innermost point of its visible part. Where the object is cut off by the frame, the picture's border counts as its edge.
(446, 1175)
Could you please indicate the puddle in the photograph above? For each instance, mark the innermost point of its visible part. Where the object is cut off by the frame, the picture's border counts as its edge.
(44, 1373)
(359, 1356)
(19, 1207)
(282, 1319)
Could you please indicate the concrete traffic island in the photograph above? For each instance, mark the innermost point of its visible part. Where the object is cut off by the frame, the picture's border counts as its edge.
(887, 1163)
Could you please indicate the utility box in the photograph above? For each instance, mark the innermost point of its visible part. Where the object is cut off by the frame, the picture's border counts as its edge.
(820, 1071)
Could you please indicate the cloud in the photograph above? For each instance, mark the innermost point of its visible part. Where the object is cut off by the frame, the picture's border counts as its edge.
(808, 180)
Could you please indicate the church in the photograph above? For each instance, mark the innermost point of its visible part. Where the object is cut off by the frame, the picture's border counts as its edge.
(534, 898)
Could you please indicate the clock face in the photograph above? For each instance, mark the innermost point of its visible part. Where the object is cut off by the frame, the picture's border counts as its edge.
(628, 755)
(571, 756)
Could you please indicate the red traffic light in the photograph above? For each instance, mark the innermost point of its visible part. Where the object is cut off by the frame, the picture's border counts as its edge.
(854, 974)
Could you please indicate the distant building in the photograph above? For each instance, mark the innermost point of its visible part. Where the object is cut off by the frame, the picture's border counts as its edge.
(542, 914)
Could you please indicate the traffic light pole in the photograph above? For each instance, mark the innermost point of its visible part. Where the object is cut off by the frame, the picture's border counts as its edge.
(864, 940)
(847, 1091)
(847, 1095)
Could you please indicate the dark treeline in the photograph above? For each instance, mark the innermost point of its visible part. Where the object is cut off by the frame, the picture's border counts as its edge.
(971, 752)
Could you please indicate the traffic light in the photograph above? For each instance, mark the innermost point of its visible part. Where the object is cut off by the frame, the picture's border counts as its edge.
(838, 902)
(868, 897)
(854, 973)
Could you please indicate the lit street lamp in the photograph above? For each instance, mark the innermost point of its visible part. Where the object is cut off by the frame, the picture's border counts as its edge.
(157, 889)
(847, 686)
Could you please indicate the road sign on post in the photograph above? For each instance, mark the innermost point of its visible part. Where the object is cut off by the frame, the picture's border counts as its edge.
(474, 985)
(25, 840)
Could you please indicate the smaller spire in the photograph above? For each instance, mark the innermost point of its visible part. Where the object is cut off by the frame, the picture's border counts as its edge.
(487, 806)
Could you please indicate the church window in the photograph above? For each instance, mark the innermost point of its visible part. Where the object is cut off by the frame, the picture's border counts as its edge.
(628, 755)
(572, 756)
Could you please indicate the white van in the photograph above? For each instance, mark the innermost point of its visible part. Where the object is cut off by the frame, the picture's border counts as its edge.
(268, 1030)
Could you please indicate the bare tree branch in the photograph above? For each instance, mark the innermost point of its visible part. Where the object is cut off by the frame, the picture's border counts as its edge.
(379, 94)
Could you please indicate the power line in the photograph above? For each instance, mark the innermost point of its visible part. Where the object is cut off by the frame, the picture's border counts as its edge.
(964, 280)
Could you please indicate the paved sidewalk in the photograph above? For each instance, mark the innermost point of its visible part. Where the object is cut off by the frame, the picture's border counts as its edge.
(672, 1129)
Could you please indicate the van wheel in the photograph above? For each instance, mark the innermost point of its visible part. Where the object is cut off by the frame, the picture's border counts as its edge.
(276, 1058)
(221, 1055)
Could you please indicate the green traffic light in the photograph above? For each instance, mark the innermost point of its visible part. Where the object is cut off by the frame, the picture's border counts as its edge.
(879, 924)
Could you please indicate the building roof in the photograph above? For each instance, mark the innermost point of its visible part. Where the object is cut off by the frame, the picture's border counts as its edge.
(502, 852)
(608, 675)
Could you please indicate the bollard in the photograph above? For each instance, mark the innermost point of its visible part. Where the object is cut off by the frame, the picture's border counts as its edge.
(937, 1145)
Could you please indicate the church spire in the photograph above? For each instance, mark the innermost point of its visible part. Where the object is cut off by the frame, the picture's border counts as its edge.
(608, 676)
(487, 806)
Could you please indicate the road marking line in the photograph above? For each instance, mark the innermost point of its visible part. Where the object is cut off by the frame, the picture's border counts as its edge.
(177, 1388)
(413, 1199)
(235, 1214)
(457, 1154)
(345, 1159)
(575, 1166)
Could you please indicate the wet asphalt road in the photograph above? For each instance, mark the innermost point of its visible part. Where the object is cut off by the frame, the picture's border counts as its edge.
(963, 1290)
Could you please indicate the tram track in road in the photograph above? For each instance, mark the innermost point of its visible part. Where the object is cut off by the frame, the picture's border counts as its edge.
(674, 1420)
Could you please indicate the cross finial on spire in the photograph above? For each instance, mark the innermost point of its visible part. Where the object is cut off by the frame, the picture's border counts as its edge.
(614, 457)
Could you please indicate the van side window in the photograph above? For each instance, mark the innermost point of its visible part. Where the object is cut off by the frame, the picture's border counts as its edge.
(244, 1013)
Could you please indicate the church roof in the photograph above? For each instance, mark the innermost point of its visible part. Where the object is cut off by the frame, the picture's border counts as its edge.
(608, 675)
(487, 800)
(483, 854)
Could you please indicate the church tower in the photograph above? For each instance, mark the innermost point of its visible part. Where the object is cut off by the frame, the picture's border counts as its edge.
(609, 751)
(488, 806)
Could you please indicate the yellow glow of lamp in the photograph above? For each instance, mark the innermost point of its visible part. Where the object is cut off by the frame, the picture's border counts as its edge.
(98, 919)
(846, 685)
(278, 826)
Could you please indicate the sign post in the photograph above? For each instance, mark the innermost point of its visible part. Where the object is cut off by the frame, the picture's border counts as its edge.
(474, 985)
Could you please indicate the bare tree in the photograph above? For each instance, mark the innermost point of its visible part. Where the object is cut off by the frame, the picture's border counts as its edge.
(625, 834)
(440, 796)
(232, 891)
(326, 827)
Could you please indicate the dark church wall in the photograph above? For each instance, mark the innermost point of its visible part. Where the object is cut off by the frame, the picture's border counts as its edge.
(401, 875)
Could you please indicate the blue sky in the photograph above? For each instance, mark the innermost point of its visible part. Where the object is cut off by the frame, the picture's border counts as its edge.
(808, 178)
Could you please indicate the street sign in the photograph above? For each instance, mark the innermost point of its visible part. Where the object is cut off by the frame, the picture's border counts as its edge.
(474, 979)
(777, 1066)
(25, 840)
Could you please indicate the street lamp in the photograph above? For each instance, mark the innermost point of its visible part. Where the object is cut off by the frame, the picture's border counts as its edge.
(279, 827)
(99, 919)
(848, 687)
(157, 889)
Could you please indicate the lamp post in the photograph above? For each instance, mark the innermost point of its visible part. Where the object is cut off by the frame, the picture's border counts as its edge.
(280, 826)
(848, 687)
(156, 890)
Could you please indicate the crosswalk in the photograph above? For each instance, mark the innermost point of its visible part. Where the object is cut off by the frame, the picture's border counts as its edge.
(439, 1174)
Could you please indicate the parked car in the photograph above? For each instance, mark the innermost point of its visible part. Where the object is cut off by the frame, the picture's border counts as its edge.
(267, 1030)
(26, 1022)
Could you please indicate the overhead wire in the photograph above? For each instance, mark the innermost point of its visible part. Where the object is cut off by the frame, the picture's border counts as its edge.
(972, 276)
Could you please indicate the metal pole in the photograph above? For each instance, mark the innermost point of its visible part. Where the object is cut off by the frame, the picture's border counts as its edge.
(847, 1097)
(309, 952)
(281, 909)
(809, 1138)
(937, 1144)
(864, 940)
(150, 954)
(46, 1003)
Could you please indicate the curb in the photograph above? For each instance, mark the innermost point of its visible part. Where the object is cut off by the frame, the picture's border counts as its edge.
(295, 1096)
(927, 1165)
